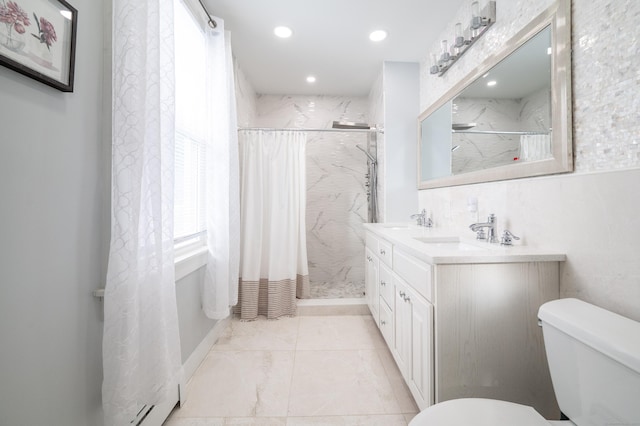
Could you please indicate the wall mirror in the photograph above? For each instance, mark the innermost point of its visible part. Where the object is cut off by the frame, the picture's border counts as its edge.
(510, 117)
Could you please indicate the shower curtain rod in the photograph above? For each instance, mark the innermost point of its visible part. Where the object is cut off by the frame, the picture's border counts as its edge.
(242, 129)
(212, 22)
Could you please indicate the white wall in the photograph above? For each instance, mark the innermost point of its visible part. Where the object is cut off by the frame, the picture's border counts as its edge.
(193, 324)
(376, 118)
(401, 101)
(593, 214)
(52, 218)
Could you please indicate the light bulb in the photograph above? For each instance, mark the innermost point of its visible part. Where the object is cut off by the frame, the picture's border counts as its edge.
(445, 56)
(434, 64)
(476, 19)
(459, 40)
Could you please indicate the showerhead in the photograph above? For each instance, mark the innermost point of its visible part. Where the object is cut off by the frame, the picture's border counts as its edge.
(350, 125)
(462, 126)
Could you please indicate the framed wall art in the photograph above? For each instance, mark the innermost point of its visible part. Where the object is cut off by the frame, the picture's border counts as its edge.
(38, 39)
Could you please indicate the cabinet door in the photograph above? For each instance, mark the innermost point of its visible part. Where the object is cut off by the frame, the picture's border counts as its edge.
(402, 324)
(421, 350)
(371, 284)
(386, 323)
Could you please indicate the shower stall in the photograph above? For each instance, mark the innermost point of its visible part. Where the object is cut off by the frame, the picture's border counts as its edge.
(341, 181)
(341, 196)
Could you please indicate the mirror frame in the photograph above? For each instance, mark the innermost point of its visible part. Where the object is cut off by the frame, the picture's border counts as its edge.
(558, 18)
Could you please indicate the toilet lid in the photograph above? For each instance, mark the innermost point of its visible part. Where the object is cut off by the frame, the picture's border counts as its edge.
(478, 412)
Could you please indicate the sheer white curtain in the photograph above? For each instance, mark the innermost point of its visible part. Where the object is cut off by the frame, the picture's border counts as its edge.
(141, 347)
(220, 290)
(273, 265)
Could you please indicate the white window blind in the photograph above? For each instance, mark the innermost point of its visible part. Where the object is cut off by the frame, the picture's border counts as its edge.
(190, 124)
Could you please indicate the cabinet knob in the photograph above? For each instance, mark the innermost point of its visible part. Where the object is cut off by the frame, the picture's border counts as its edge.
(407, 299)
(382, 283)
(382, 252)
(382, 322)
(402, 294)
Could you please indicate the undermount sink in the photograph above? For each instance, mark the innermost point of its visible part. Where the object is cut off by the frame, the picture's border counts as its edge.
(451, 243)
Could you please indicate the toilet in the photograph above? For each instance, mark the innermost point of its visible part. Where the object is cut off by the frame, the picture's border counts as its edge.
(594, 361)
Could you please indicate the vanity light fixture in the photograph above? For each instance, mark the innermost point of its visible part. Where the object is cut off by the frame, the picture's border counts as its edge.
(378, 35)
(283, 32)
(481, 20)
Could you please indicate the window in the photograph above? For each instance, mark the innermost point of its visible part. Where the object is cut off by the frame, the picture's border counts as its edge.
(190, 54)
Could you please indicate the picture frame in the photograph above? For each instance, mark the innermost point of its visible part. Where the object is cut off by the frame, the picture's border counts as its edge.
(38, 39)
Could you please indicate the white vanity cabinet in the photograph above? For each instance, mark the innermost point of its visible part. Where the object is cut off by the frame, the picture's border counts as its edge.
(412, 348)
(463, 325)
(371, 283)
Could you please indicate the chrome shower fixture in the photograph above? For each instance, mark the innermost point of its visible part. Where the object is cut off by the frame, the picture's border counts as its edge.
(373, 160)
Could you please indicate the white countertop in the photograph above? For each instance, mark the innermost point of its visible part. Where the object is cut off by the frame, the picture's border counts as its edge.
(403, 236)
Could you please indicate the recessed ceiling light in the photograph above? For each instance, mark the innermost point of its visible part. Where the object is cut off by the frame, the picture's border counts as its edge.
(378, 35)
(548, 51)
(311, 79)
(491, 83)
(282, 32)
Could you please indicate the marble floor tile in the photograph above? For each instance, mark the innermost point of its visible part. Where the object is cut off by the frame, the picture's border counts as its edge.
(409, 417)
(338, 333)
(328, 370)
(400, 389)
(240, 384)
(380, 420)
(261, 334)
(341, 383)
(228, 421)
(256, 421)
(204, 421)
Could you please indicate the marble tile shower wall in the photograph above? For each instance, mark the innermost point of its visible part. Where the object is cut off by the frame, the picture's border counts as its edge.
(336, 195)
(605, 76)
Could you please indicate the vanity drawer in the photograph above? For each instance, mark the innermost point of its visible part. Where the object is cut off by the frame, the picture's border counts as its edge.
(386, 285)
(385, 253)
(417, 274)
(386, 324)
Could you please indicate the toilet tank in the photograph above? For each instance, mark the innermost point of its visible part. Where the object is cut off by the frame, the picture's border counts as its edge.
(594, 360)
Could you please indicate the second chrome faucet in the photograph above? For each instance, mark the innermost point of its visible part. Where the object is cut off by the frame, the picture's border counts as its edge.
(422, 219)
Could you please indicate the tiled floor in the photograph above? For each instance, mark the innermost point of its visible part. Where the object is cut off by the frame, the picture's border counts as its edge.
(307, 370)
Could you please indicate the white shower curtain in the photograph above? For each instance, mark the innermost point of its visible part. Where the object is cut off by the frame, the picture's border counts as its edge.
(273, 261)
(141, 345)
(220, 287)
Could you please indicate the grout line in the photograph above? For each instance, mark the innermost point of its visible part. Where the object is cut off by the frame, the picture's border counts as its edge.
(293, 369)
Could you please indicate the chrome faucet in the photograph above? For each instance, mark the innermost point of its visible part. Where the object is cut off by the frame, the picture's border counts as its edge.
(490, 224)
(422, 219)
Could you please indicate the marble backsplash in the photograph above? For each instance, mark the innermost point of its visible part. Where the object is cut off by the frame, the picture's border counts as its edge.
(336, 192)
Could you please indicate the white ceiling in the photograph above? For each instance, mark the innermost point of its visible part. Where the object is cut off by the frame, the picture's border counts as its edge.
(330, 40)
